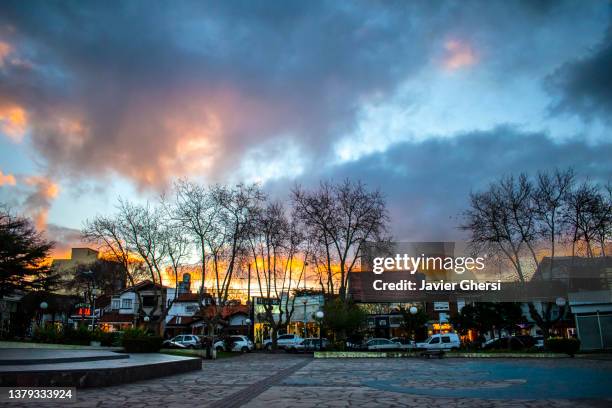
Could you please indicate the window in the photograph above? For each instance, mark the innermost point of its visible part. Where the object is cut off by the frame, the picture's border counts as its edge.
(148, 301)
(116, 304)
(435, 340)
(446, 339)
(126, 304)
(286, 337)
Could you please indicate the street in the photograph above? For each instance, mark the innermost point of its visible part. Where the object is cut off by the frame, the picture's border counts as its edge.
(281, 380)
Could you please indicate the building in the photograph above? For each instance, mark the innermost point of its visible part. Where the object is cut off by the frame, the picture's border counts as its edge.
(124, 309)
(66, 268)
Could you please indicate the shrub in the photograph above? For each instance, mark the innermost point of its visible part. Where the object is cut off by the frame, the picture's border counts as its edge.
(561, 345)
(106, 339)
(81, 336)
(49, 334)
(139, 341)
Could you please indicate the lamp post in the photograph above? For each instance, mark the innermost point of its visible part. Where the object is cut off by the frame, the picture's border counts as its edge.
(94, 293)
(560, 302)
(305, 302)
(248, 323)
(320, 316)
(43, 306)
(413, 311)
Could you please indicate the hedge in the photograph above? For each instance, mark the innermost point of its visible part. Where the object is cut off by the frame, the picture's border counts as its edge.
(147, 344)
(561, 345)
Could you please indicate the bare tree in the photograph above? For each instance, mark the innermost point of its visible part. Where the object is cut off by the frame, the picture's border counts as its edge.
(142, 228)
(520, 220)
(589, 216)
(344, 217)
(197, 211)
(107, 234)
(275, 243)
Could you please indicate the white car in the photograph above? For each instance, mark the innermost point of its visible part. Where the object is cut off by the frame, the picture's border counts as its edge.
(240, 343)
(283, 341)
(404, 344)
(381, 344)
(185, 340)
(310, 344)
(448, 341)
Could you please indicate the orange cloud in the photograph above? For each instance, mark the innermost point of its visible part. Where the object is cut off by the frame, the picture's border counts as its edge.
(5, 50)
(13, 121)
(39, 202)
(458, 55)
(7, 179)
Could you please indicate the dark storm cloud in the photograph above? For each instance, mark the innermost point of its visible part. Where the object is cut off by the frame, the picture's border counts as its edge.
(585, 85)
(154, 90)
(427, 184)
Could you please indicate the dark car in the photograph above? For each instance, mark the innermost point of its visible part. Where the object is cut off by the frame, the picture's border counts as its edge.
(509, 343)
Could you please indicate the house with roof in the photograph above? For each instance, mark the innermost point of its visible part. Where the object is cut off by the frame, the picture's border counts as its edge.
(125, 308)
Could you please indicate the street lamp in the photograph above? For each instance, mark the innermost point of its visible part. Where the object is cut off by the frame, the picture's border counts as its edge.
(43, 306)
(413, 311)
(94, 292)
(248, 323)
(560, 301)
(147, 319)
(305, 302)
(320, 316)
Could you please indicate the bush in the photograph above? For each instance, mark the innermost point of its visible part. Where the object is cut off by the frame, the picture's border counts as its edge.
(81, 336)
(561, 345)
(139, 341)
(148, 344)
(49, 334)
(106, 339)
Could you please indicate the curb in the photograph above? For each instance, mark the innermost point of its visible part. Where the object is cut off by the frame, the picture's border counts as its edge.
(390, 354)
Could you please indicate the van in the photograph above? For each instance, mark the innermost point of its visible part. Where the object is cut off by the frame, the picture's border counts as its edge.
(448, 341)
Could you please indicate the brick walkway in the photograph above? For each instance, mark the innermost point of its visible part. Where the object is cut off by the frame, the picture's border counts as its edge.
(279, 380)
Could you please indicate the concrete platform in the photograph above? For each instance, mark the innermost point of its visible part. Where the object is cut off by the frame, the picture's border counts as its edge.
(95, 369)
(48, 356)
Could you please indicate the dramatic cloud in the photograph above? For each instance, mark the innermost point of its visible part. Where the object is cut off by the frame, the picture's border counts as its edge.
(64, 240)
(155, 92)
(38, 201)
(427, 184)
(585, 85)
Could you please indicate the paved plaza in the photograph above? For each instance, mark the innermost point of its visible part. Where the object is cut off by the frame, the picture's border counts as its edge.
(279, 380)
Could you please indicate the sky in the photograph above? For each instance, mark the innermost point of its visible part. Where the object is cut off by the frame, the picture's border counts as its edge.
(426, 101)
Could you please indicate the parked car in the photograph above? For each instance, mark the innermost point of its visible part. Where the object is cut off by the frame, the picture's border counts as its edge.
(509, 343)
(309, 344)
(448, 341)
(184, 341)
(381, 344)
(283, 341)
(404, 343)
(240, 343)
